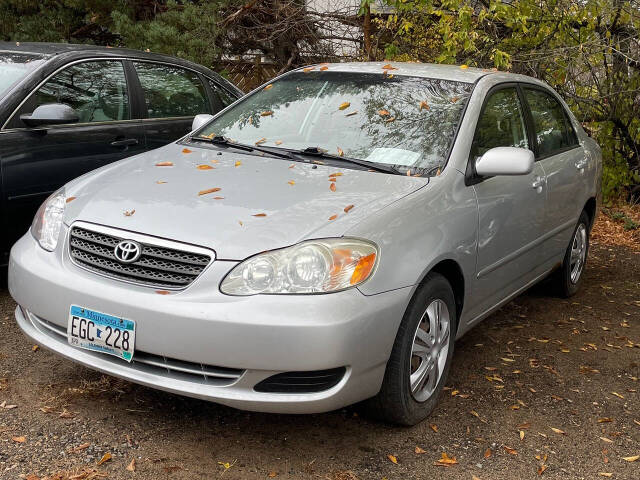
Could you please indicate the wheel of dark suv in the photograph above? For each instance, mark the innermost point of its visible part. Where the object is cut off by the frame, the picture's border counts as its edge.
(568, 278)
(421, 357)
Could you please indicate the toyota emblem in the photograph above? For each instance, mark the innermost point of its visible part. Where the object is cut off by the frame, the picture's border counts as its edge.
(127, 251)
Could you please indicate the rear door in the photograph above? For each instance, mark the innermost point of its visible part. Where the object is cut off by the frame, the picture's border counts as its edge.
(37, 161)
(511, 208)
(173, 95)
(564, 162)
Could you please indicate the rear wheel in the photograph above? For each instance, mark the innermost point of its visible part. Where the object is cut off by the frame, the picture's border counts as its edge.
(421, 357)
(568, 278)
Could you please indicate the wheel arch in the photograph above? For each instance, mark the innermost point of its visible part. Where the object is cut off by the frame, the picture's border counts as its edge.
(452, 272)
(590, 209)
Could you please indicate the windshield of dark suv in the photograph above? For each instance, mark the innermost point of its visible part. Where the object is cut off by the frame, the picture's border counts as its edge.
(14, 66)
(381, 118)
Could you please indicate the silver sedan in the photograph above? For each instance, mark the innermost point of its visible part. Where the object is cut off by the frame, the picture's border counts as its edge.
(322, 241)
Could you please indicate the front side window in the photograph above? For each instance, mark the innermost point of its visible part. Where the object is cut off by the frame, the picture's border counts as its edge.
(224, 98)
(14, 66)
(171, 91)
(501, 123)
(96, 90)
(552, 129)
(398, 120)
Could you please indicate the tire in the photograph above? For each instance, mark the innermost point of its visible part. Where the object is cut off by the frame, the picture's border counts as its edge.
(568, 278)
(396, 403)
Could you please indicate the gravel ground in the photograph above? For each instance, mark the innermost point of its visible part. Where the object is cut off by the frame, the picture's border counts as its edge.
(539, 364)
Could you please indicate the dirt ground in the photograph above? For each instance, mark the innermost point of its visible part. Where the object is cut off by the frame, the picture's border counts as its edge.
(544, 388)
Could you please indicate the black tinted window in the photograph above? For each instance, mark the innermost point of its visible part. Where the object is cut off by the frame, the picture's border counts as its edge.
(14, 66)
(171, 91)
(552, 129)
(224, 97)
(97, 91)
(501, 123)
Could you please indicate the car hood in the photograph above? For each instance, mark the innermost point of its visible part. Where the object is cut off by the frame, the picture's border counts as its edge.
(260, 202)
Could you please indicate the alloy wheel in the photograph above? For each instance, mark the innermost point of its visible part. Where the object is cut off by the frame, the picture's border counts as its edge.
(578, 252)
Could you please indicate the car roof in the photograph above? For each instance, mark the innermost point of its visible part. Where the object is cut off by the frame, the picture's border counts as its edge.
(427, 70)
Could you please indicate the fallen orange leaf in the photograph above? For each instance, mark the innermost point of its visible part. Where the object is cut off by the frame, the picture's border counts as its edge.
(344, 106)
(205, 167)
(128, 213)
(424, 105)
(340, 152)
(308, 69)
(266, 113)
(70, 199)
(392, 458)
(19, 439)
(488, 453)
(105, 458)
(383, 113)
(268, 86)
(291, 182)
(333, 217)
(261, 141)
(419, 450)
(348, 208)
(259, 215)
(631, 459)
(163, 292)
(132, 466)
(207, 191)
(332, 187)
(164, 164)
(186, 150)
(511, 451)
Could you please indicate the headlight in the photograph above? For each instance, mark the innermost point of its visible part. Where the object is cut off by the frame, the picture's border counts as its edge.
(48, 220)
(315, 266)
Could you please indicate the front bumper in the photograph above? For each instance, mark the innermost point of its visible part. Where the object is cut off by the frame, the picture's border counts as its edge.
(254, 337)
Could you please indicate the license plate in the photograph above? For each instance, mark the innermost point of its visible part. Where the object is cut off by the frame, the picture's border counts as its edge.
(101, 332)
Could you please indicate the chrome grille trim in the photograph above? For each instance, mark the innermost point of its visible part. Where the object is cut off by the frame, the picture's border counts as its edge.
(163, 264)
(151, 363)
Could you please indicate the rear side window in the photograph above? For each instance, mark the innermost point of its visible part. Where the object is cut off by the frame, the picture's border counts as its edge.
(96, 90)
(553, 131)
(171, 91)
(501, 123)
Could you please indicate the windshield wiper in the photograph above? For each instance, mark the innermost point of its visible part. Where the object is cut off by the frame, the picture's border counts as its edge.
(225, 142)
(379, 167)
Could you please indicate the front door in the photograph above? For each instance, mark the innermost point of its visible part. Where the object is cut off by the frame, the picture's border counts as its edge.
(511, 209)
(37, 161)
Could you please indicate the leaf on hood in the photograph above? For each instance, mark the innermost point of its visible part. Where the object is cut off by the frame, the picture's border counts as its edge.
(308, 69)
(333, 176)
(445, 461)
(389, 75)
(19, 439)
(261, 141)
(238, 163)
(332, 187)
(344, 106)
(268, 86)
(163, 292)
(160, 182)
(164, 164)
(424, 105)
(291, 182)
(278, 142)
(419, 450)
(205, 167)
(348, 208)
(70, 199)
(340, 152)
(383, 113)
(323, 68)
(105, 458)
(333, 217)
(132, 465)
(293, 165)
(186, 150)
(266, 113)
(128, 213)
(464, 67)
(392, 458)
(218, 198)
(259, 215)
(207, 191)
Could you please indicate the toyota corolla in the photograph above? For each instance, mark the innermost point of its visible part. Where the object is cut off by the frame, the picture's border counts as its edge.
(322, 241)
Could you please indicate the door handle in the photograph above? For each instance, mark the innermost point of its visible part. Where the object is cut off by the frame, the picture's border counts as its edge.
(127, 142)
(538, 183)
(582, 163)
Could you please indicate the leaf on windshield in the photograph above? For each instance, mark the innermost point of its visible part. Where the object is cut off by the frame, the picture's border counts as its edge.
(391, 119)
(348, 208)
(205, 167)
(210, 136)
(186, 150)
(332, 187)
(388, 66)
(333, 217)
(268, 86)
(128, 213)
(238, 163)
(455, 99)
(208, 190)
(164, 164)
(259, 215)
(424, 105)
(308, 69)
(278, 142)
(261, 141)
(70, 199)
(344, 106)
(333, 176)
(266, 113)
(383, 113)
(340, 152)
(350, 114)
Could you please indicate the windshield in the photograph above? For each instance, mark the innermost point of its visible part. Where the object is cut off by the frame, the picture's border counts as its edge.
(397, 120)
(14, 66)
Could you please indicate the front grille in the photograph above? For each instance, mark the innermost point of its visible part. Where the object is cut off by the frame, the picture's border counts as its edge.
(151, 363)
(158, 266)
(301, 382)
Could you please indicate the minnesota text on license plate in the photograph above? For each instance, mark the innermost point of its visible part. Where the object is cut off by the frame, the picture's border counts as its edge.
(101, 332)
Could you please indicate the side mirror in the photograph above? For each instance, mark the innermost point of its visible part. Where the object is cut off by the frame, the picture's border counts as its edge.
(199, 120)
(50, 114)
(505, 161)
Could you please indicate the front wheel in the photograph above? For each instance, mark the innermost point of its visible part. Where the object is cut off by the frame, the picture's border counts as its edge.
(421, 357)
(568, 278)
